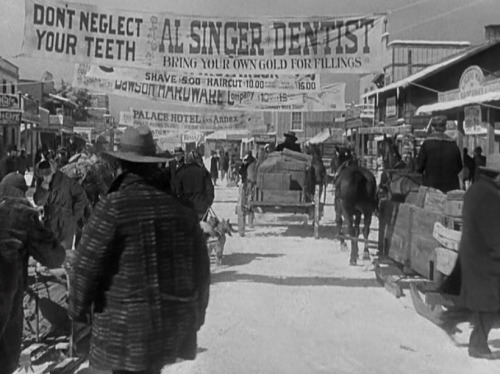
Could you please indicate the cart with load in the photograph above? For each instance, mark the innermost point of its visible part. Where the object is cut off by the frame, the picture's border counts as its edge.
(281, 186)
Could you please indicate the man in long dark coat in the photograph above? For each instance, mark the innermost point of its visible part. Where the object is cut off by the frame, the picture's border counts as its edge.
(173, 168)
(439, 159)
(143, 265)
(479, 258)
(21, 235)
(194, 185)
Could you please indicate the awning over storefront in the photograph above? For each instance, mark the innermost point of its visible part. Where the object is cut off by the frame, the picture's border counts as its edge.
(388, 130)
(448, 105)
(327, 136)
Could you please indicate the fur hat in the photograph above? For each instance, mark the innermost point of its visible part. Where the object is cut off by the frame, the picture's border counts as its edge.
(137, 145)
(13, 185)
(46, 168)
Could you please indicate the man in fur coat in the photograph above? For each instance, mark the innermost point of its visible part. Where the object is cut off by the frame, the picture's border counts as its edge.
(22, 235)
(143, 267)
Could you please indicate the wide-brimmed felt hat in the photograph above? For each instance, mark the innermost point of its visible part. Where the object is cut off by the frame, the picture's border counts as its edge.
(291, 134)
(178, 150)
(137, 145)
(492, 164)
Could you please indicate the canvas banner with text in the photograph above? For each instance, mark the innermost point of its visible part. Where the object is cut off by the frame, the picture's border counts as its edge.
(244, 45)
(329, 98)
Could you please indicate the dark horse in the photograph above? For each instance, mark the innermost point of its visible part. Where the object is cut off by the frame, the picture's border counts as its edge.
(355, 195)
(398, 177)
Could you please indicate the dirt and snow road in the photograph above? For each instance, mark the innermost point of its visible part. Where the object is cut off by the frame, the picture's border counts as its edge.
(284, 302)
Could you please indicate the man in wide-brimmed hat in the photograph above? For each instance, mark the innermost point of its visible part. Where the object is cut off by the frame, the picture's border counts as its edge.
(21, 235)
(439, 159)
(63, 199)
(289, 143)
(143, 265)
(476, 277)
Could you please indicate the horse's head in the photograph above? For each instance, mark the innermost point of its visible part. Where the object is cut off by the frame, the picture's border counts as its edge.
(389, 151)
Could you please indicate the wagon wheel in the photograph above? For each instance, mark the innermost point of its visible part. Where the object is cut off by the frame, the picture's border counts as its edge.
(241, 210)
(316, 212)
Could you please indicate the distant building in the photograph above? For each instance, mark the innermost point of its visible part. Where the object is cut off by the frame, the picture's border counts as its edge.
(10, 123)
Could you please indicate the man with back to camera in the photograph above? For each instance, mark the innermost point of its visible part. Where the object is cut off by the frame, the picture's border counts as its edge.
(439, 159)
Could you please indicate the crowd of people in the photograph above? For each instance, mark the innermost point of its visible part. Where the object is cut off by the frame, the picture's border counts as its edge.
(133, 218)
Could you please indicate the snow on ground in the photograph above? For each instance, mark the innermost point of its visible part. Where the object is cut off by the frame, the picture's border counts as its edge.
(283, 302)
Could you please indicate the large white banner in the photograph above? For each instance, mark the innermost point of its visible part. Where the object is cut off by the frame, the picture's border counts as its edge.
(329, 98)
(166, 123)
(242, 45)
(235, 82)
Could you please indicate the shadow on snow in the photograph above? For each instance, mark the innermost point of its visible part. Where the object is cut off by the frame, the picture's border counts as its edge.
(233, 276)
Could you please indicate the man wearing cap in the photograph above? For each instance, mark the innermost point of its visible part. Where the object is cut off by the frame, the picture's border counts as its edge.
(63, 199)
(439, 159)
(479, 160)
(21, 235)
(143, 266)
(289, 143)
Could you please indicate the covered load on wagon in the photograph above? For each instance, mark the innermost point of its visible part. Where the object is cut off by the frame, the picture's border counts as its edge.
(284, 171)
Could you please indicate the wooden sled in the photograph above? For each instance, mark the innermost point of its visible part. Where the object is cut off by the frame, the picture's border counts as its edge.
(441, 311)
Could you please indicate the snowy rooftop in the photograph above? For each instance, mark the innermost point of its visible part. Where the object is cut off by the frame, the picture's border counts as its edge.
(432, 69)
(430, 42)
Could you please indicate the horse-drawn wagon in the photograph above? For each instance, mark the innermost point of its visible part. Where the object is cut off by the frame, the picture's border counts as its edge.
(282, 184)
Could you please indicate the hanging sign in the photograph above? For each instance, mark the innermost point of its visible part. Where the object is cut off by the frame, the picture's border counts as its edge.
(243, 45)
(235, 82)
(329, 98)
(473, 121)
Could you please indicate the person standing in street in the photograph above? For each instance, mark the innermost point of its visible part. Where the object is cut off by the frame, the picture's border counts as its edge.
(143, 267)
(439, 159)
(214, 167)
(479, 161)
(476, 276)
(194, 185)
(63, 200)
(173, 168)
(22, 235)
(224, 167)
(468, 169)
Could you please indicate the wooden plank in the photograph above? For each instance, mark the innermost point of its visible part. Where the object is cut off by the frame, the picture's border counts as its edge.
(446, 237)
(281, 197)
(422, 243)
(399, 241)
(445, 260)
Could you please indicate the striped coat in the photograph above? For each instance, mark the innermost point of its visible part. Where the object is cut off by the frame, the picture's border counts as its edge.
(143, 264)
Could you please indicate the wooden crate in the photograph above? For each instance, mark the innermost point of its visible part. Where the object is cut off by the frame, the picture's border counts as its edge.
(394, 229)
(422, 243)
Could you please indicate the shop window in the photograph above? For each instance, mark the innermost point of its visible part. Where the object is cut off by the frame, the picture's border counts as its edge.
(4, 86)
(297, 121)
(13, 88)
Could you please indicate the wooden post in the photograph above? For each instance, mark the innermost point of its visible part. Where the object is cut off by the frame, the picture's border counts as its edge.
(241, 209)
(316, 212)
(491, 132)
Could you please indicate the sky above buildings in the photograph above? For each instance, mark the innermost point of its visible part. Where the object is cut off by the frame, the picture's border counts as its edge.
(458, 20)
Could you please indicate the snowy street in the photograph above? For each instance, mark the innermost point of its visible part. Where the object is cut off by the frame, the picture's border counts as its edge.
(283, 302)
